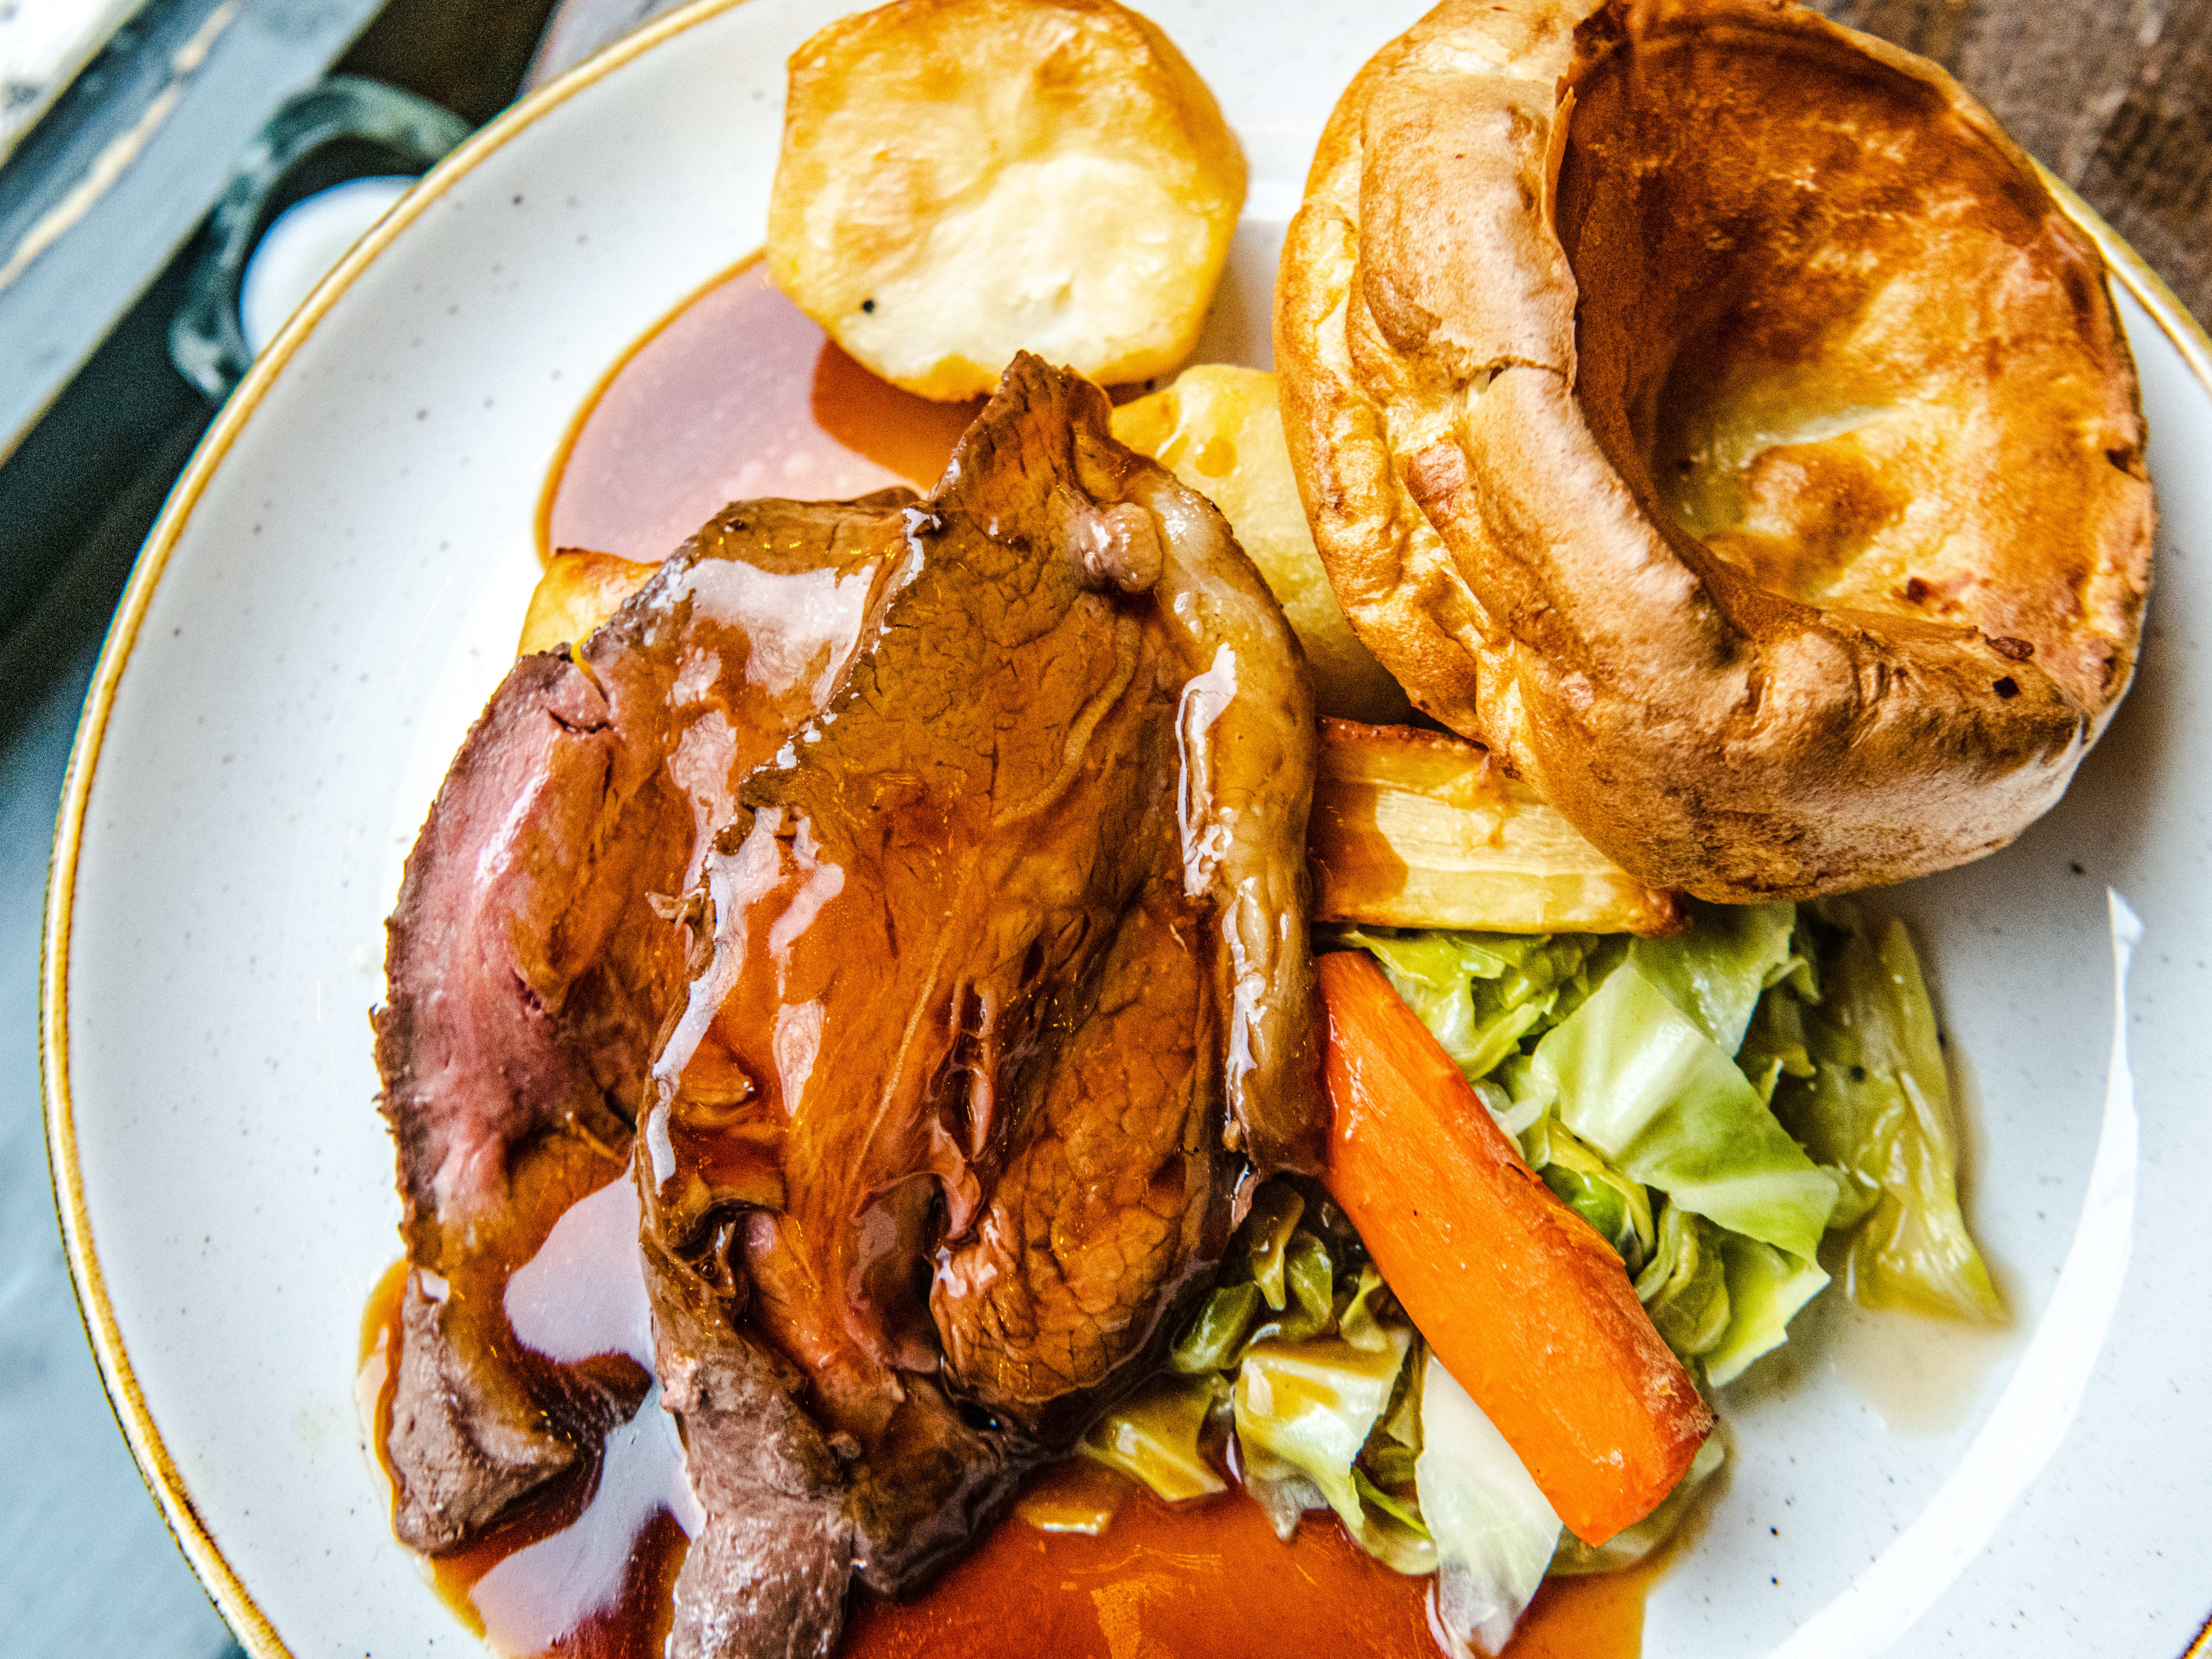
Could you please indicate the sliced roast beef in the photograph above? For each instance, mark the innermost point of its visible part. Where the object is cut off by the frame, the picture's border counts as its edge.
(933, 876)
(532, 958)
(1003, 988)
(775, 1554)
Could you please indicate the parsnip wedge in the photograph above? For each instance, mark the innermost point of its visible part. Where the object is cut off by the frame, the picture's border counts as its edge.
(1415, 829)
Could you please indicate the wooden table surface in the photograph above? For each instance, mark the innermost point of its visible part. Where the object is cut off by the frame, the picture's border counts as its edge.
(2114, 96)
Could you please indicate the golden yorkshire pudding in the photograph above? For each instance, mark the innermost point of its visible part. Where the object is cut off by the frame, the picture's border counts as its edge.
(1708, 407)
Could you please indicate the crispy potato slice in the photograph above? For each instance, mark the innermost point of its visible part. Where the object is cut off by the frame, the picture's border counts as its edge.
(578, 592)
(961, 179)
(1218, 429)
(1415, 829)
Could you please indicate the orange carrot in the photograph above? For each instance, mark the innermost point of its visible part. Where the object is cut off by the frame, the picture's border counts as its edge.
(1517, 1295)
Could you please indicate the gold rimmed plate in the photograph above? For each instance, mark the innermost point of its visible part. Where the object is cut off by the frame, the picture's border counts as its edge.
(334, 590)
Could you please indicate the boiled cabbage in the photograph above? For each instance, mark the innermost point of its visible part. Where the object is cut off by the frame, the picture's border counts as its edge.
(1635, 1078)
(1719, 1299)
(1878, 1107)
(1716, 971)
(1493, 1532)
(1153, 1437)
(1304, 1411)
(1686, 1289)
(1766, 1289)
(1481, 993)
(1617, 1206)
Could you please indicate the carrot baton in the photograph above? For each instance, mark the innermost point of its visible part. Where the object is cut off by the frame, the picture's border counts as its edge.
(1517, 1296)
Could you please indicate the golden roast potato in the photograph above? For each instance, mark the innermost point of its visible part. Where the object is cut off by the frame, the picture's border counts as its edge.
(578, 592)
(961, 179)
(1709, 409)
(1218, 430)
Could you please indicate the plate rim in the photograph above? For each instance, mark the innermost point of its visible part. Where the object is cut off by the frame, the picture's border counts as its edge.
(164, 1481)
(119, 1380)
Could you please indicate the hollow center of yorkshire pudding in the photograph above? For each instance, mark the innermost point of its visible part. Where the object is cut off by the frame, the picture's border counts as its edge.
(1826, 327)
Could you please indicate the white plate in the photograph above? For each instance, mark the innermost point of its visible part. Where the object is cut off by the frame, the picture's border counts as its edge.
(334, 590)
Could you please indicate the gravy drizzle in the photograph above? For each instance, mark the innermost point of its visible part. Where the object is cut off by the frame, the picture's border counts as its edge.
(588, 1569)
(1204, 1578)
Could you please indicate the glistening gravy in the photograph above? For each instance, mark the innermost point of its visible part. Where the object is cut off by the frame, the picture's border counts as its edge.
(1160, 1582)
(737, 395)
(734, 397)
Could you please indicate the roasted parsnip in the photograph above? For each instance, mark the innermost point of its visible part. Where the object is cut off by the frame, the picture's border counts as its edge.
(1415, 829)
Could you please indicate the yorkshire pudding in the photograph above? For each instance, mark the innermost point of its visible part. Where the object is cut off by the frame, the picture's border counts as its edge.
(1709, 409)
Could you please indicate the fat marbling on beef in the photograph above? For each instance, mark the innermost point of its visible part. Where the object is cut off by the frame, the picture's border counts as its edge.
(992, 986)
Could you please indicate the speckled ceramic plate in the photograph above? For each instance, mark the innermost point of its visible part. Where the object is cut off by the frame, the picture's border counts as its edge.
(335, 589)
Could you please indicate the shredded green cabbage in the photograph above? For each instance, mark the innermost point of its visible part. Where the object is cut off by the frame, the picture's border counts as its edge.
(1637, 1076)
(1636, 1079)
(1212, 1342)
(1709, 1104)
(1261, 1249)
(1482, 994)
(1617, 1206)
(1686, 1289)
(1719, 1299)
(1766, 1289)
(1325, 1404)
(1770, 1069)
(1153, 1437)
(1878, 1107)
(1304, 1411)
(1717, 969)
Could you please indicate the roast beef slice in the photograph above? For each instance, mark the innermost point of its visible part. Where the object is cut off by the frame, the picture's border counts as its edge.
(1005, 985)
(532, 957)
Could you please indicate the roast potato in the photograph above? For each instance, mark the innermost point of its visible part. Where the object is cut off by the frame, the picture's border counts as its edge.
(1218, 430)
(961, 179)
(1709, 409)
(578, 592)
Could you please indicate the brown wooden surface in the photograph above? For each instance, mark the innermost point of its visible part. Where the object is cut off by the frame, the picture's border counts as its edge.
(2114, 96)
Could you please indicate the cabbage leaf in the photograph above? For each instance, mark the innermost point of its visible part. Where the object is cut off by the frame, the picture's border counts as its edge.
(1641, 1082)
(1275, 1264)
(1616, 1206)
(1304, 1411)
(1482, 994)
(1775, 1045)
(1766, 1289)
(1259, 1249)
(1717, 969)
(1153, 1437)
(1878, 1107)
(1686, 1288)
(1320, 1392)
(1494, 1533)
(1718, 1299)
(1214, 1336)
(1309, 1308)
